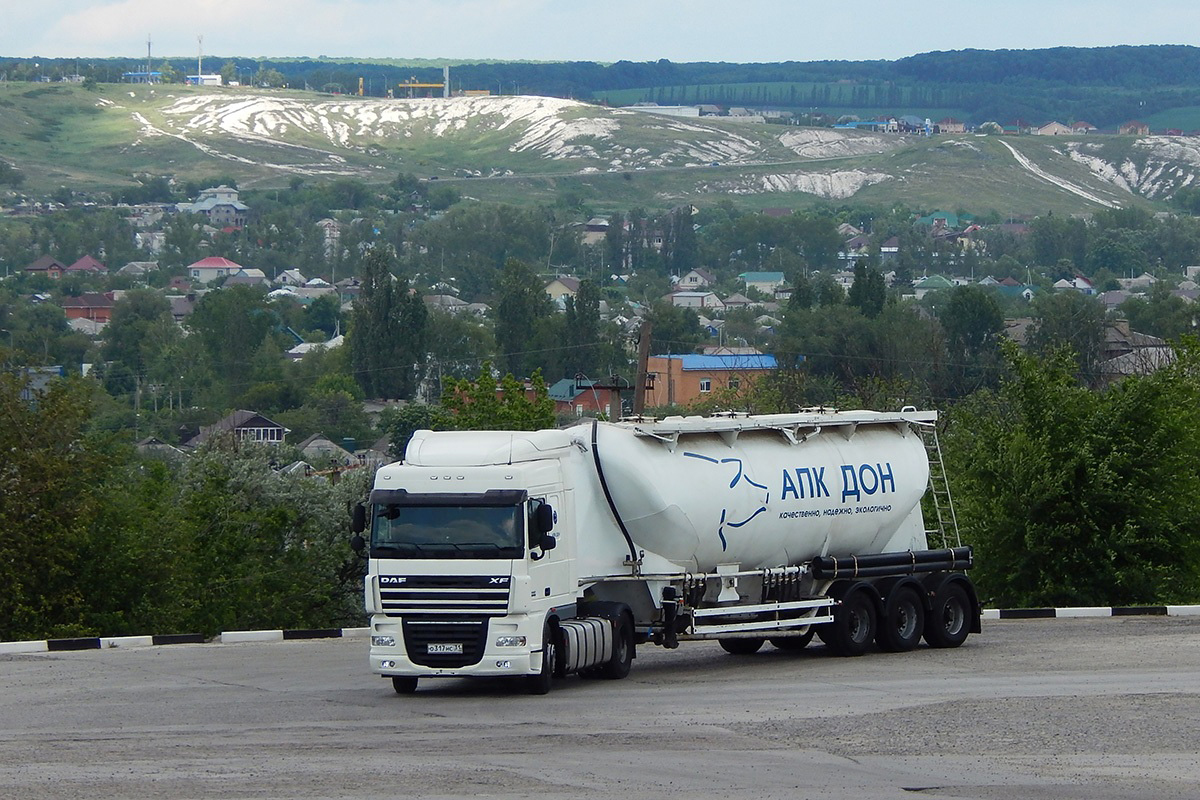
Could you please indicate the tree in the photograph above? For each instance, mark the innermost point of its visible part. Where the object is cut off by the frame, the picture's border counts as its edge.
(229, 73)
(522, 305)
(140, 329)
(230, 324)
(1075, 497)
(399, 424)
(973, 323)
(387, 339)
(1072, 319)
(1160, 313)
(504, 405)
(50, 484)
(868, 292)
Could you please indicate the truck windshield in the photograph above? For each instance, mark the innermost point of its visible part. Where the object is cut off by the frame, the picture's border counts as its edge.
(403, 531)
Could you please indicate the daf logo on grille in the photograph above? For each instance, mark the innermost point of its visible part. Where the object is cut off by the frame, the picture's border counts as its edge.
(391, 579)
(498, 581)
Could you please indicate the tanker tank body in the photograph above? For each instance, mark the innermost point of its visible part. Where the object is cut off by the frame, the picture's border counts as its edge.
(782, 513)
(767, 491)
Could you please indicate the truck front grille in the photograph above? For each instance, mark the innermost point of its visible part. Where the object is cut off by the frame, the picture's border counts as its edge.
(451, 595)
(440, 636)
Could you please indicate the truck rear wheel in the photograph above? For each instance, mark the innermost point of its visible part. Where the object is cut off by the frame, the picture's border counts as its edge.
(949, 622)
(741, 647)
(903, 621)
(853, 626)
(404, 684)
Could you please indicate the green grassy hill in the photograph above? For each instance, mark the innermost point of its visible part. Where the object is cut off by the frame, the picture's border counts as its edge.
(524, 149)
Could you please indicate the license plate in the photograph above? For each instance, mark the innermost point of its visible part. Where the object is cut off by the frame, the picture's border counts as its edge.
(446, 647)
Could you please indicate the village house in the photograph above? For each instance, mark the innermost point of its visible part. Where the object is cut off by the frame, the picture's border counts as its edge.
(594, 230)
(951, 125)
(695, 300)
(220, 205)
(1134, 128)
(91, 306)
(562, 286)
(1053, 129)
(207, 270)
(88, 264)
(1078, 283)
(765, 282)
(684, 379)
(241, 426)
(50, 267)
(575, 397)
(696, 279)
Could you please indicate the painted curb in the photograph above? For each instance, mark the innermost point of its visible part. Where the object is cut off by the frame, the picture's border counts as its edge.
(1089, 611)
(303, 634)
(158, 640)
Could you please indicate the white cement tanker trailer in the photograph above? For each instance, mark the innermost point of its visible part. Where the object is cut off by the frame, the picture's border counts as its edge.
(546, 553)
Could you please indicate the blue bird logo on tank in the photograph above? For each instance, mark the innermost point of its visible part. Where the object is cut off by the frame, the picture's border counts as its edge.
(747, 500)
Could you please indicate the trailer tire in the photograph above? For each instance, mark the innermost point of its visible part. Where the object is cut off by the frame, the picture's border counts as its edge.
(544, 681)
(622, 658)
(793, 644)
(741, 647)
(949, 620)
(854, 623)
(903, 620)
(404, 684)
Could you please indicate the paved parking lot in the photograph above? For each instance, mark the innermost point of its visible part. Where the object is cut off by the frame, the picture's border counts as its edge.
(1066, 708)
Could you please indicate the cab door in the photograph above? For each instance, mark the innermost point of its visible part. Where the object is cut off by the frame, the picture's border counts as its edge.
(551, 582)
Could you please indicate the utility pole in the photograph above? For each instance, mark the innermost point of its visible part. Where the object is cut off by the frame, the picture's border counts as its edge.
(199, 59)
(641, 377)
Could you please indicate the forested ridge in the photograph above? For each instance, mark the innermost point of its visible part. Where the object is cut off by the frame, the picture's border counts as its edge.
(1104, 85)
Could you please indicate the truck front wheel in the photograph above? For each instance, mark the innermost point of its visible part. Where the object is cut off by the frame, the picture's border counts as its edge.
(404, 684)
(853, 626)
(541, 683)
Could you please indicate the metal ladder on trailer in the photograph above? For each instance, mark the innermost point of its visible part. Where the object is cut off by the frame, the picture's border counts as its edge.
(939, 492)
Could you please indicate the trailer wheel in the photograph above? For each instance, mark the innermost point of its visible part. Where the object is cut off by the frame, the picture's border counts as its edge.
(622, 659)
(403, 684)
(853, 626)
(948, 625)
(741, 647)
(794, 643)
(543, 681)
(903, 621)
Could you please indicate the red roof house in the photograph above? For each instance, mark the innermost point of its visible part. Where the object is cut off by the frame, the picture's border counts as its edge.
(209, 269)
(88, 264)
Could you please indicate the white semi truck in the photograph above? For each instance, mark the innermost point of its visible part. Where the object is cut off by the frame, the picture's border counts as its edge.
(546, 553)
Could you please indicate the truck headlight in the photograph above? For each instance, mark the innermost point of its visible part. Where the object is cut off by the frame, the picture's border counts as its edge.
(510, 641)
(383, 641)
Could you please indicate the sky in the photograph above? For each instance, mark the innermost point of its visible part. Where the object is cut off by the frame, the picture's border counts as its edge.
(558, 30)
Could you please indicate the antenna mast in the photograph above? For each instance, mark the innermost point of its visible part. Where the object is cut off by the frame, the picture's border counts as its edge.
(199, 59)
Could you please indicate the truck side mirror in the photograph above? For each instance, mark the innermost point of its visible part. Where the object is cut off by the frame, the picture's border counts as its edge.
(358, 519)
(358, 544)
(548, 542)
(543, 518)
